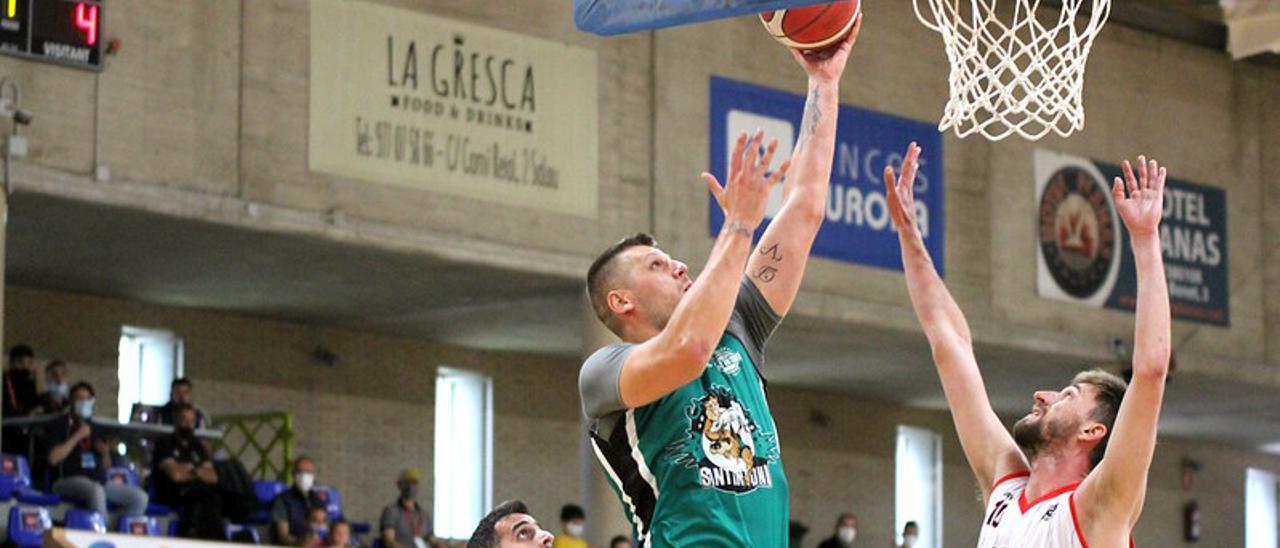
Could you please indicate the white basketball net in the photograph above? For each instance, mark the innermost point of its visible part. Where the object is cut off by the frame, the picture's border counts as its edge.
(1014, 75)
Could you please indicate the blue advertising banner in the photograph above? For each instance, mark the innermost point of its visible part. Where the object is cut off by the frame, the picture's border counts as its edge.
(1083, 246)
(857, 228)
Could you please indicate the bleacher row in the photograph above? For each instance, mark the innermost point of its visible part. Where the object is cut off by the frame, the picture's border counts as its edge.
(31, 510)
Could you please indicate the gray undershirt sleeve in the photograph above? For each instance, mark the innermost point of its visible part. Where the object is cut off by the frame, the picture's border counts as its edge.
(598, 381)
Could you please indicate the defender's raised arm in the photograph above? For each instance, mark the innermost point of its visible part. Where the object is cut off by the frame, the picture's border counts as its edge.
(989, 448)
(1111, 498)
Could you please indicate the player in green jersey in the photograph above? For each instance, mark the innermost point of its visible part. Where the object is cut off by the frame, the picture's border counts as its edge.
(680, 421)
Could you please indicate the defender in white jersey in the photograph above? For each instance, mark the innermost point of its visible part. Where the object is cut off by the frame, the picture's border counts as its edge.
(1073, 473)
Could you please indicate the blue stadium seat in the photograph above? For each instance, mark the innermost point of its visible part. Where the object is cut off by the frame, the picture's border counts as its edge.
(122, 475)
(26, 495)
(15, 478)
(156, 509)
(86, 520)
(333, 505)
(27, 525)
(266, 491)
(139, 525)
(127, 476)
(332, 500)
(175, 527)
(233, 530)
(12, 476)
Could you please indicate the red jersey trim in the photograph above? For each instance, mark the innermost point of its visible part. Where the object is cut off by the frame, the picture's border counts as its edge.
(1075, 521)
(1005, 478)
(1023, 505)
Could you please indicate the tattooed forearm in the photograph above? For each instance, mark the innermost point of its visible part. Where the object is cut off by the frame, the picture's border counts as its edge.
(766, 274)
(812, 113)
(771, 252)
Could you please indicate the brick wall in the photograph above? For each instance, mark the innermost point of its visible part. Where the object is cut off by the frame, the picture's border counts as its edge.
(373, 414)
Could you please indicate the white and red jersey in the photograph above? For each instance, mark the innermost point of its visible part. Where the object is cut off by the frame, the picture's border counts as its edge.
(1012, 521)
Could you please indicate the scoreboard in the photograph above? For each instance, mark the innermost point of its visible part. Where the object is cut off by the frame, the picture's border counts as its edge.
(67, 32)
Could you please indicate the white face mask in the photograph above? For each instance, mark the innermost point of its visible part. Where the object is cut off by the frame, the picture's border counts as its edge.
(305, 480)
(58, 389)
(908, 541)
(575, 529)
(84, 408)
(847, 534)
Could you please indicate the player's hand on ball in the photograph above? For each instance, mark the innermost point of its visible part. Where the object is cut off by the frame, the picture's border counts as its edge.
(744, 198)
(900, 192)
(1142, 206)
(828, 64)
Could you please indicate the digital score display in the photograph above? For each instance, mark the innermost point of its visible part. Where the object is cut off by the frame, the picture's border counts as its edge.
(67, 32)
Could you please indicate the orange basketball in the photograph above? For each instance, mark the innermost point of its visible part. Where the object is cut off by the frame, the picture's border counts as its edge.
(812, 27)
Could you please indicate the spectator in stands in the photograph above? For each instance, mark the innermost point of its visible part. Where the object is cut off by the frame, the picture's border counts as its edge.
(181, 391)
(79, 457)
(340, 537)
(404, 523)
(289, 512)
(57, 387)
(572, 527)
(620, 542)
(910, 534)
(185, 479)
(846, 532)
(317, 527)
(510, 526)
(20, 397)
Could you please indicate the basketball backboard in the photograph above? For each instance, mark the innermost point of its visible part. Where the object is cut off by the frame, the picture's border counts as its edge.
(609, 17)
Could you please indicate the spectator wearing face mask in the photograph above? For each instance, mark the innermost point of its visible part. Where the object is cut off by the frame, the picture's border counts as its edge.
(185, 478)
(404, 523)
(290, 511)
(317, 528)
(846, 532)
(57, 387)
(79, 457)
(910, 534)
(573, 527)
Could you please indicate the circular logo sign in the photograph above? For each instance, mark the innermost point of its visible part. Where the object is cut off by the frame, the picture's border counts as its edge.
(1077, 233)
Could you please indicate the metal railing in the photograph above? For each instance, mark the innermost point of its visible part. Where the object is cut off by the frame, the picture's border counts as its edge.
(263, 442)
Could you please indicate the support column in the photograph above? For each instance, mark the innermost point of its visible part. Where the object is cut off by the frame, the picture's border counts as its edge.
(605, 517)
(4, 232)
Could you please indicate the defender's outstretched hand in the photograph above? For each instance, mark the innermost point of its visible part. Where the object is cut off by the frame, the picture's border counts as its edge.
(828, 64)
(743, 200)
(1143, 207)
(900, 191)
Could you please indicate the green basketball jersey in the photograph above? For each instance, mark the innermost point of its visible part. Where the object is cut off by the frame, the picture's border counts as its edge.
(702, 466)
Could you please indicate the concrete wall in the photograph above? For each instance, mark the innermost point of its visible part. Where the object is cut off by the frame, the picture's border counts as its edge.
(373, 414)
(204, 112)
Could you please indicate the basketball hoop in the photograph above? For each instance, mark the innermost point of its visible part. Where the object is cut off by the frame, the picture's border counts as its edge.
(1014, 76)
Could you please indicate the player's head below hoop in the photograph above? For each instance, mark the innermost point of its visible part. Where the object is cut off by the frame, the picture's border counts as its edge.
(1072, 423)
(635, 287)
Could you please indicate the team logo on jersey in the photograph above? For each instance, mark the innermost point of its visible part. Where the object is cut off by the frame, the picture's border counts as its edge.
(726, 446)
(727, 361)
(1048, 514)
